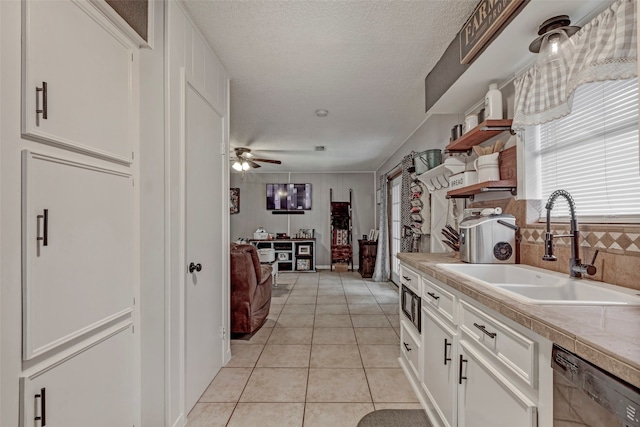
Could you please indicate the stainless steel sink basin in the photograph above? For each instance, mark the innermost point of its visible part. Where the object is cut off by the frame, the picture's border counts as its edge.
(537, 286)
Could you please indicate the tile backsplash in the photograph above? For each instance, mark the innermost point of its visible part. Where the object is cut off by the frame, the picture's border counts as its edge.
(618, 260)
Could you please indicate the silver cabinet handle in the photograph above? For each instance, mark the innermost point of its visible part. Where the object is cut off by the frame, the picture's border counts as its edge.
(44, 108)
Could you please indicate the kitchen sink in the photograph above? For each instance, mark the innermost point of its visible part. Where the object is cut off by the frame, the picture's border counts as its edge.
(537, 286)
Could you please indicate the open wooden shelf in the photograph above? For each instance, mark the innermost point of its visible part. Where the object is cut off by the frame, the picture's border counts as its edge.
(479, 134)
(483, 187)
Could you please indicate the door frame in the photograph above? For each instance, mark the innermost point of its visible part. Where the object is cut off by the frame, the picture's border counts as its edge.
(391, 177)
(181, 262)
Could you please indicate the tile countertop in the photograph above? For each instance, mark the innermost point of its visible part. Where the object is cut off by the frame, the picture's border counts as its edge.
(608, 337)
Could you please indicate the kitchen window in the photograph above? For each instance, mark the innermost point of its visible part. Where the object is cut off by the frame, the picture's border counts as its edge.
(593, 153)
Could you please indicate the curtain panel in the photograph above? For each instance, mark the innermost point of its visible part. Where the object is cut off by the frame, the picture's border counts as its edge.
(381, 272)
(605, 49)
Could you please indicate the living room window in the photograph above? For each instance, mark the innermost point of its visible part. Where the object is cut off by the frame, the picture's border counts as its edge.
(593, 153)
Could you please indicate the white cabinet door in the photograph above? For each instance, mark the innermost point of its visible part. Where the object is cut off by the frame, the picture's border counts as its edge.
(87, 68)
(440, 365)
(78, 250)
(486, 398)
(93, 387)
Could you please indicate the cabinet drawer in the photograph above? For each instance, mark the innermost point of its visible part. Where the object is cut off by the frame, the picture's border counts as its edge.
(441, 301)
(516, 352)
(410, 347)
(410, 278)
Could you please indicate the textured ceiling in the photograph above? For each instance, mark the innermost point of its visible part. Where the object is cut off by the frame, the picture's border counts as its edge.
(364, 61)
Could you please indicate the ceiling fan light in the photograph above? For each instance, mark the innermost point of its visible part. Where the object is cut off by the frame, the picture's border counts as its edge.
(245, 166)
(237, 166)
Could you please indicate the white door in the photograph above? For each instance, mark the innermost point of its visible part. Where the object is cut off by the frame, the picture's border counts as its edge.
(203, 245)
(396, 227)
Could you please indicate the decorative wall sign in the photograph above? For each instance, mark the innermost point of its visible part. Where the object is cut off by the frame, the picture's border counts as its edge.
(487, 19)
(234, 205)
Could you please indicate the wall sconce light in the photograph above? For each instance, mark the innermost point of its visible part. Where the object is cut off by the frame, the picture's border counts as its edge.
(553, 44)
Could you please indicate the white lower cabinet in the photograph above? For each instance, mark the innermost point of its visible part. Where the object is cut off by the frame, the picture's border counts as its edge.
(440, 362)
(410, 346)
(478, 368)
(92, 387)
(486, 398)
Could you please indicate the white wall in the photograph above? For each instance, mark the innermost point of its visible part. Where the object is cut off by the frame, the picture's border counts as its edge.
(152, 224)
(253, 212)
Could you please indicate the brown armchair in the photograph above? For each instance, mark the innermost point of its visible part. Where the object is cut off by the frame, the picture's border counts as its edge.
(250, 290)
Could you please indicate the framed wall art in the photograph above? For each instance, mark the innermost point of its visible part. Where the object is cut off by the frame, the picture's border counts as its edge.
(234, 205)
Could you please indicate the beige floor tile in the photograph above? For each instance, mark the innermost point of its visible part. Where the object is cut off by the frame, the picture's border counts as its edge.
(332, 309)
(276, 385)
(382, 405)
(390, 385)
(378, 356)
(275, 308)
(370, 321)
(285, 356)
(365, 309)
(394, 319)
(335, 356)
(227, 386)
(331, 291)
(357, 290)
(331, 299)
(374, 336)
(333, 336)
(335, 414)
(210, 414)
(387, 299)
(390, 309)
(267, 415)
(305, 299)
(295, 321)
(259, 337)
(244, 356)
(292, 308)
(304, 291)
(337, 385)
(361, 299)
(333, 321)
(291, 336)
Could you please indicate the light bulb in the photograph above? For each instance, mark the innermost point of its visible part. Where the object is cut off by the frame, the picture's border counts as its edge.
(237, 166)
(245, 166)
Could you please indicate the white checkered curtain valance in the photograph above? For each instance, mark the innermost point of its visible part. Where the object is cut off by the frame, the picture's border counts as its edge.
(604, 49)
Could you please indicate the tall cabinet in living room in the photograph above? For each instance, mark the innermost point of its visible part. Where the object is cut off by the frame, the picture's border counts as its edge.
(69, 218)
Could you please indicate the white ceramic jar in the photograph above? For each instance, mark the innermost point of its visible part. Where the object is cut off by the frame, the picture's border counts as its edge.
(493, 103)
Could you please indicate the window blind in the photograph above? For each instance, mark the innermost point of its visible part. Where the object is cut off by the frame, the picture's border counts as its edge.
(593, 153)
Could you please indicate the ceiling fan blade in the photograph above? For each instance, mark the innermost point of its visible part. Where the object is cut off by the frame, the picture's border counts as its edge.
(253, 164)
(277, 162)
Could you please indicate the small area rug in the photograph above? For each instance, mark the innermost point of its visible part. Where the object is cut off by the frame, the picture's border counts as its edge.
(395, 418)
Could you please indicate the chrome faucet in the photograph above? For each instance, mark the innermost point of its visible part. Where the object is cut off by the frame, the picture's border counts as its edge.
(576, 268)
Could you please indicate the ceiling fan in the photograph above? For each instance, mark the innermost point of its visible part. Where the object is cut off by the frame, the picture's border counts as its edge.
(245, 160)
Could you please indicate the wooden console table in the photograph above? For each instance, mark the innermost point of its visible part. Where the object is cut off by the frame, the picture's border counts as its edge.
(367, 258)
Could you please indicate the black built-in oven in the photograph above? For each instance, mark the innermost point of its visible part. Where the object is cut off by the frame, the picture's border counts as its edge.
(410, 303)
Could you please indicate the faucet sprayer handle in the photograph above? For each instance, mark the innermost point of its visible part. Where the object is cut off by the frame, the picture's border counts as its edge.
(548, 248)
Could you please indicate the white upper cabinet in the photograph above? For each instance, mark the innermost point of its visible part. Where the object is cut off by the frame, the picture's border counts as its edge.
(78, 88)
(78, 250)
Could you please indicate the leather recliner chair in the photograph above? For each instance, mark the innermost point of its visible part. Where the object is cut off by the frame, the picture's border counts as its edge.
(250, 290)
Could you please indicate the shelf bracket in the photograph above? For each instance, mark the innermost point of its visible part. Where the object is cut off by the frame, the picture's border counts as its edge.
(498, 128)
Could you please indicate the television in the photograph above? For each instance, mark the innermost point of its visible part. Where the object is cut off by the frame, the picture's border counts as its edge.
(288, 197)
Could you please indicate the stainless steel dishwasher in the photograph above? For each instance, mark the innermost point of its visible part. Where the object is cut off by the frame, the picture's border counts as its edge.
(578, 385)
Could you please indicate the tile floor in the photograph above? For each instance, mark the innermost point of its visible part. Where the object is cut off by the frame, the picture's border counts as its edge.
(327, 356)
